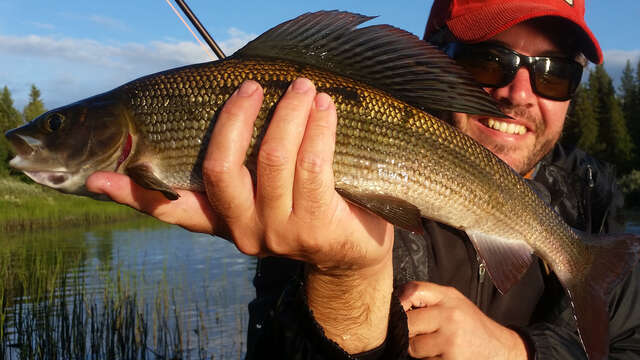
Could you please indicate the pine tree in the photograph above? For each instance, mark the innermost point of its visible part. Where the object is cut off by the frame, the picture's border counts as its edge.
(9, 119)
(35, 107)
(612, 131)
(581, 125)
(633, 118)
(628, 89)
(9, 116)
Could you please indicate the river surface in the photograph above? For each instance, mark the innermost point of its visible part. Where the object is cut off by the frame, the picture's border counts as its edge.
(207, 281)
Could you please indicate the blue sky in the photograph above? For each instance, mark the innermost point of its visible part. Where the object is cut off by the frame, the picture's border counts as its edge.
(74, 49)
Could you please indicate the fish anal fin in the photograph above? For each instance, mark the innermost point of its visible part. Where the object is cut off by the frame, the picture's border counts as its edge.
(396, 211)
(613, 258)
(143, 175)
(506, 260)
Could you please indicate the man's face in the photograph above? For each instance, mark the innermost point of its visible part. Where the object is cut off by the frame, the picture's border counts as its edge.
(537, 121)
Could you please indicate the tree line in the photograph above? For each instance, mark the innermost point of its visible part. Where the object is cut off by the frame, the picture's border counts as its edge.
(602, 120)
(605, 122)
(10, 118)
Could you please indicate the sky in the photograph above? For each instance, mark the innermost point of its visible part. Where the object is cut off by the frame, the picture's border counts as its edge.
(75, 49)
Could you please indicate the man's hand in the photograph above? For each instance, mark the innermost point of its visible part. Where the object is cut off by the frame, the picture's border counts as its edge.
(443, 323)
(292, 210)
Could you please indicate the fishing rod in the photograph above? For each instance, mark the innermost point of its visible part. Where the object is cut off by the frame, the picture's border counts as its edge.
(198, 25)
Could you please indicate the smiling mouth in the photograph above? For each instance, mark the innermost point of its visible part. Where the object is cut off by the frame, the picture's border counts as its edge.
(504, 127)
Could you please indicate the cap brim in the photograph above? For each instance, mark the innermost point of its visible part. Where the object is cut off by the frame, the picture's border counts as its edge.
(488, 21)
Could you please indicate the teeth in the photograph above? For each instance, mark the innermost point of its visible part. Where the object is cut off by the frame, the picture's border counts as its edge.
(509, 128)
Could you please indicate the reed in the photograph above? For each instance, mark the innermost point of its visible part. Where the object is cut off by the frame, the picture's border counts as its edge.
(54, 315)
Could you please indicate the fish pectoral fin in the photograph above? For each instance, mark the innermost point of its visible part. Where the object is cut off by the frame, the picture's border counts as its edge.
(143, 175)
(396, 211)
(506, 259)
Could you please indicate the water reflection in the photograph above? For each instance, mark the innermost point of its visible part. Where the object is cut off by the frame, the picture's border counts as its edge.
(203, 279)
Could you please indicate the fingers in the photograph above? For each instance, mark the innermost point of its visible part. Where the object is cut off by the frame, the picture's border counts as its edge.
(191, 210)
(227, 181)
(424, 320)
(279, 150)
(416, 294)
(314, 183)
(429, 346)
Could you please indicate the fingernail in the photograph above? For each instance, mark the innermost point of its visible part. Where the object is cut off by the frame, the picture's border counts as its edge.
(247, 88)
(301, 85)
(322, 101)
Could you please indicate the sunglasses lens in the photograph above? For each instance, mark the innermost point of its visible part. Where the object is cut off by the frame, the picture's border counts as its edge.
(490, 67)
(556, 79)
(494, 66)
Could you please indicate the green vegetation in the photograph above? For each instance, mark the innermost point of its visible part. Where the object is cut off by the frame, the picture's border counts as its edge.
(27, 206)
(606, 123)
(35, 107)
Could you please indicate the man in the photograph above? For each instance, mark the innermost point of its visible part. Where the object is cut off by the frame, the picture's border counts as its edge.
(328, 268)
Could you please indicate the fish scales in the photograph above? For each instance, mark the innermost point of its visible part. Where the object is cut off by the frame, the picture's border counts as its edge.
(391, 156)
(382, 145)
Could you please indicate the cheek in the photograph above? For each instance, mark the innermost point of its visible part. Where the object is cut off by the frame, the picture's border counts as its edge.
(553, 113)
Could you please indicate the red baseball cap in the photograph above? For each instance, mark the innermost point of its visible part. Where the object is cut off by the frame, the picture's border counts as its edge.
(480, 20)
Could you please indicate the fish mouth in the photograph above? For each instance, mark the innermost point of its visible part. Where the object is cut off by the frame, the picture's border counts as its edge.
(54, 179)
(506, 127)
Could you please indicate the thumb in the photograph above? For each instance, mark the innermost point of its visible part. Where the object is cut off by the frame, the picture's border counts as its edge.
(418, 294)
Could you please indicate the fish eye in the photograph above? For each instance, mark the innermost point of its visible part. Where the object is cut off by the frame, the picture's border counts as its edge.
(54, 122)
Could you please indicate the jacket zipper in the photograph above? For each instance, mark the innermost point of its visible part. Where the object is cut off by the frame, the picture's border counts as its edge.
(587, 211)
(482, 272)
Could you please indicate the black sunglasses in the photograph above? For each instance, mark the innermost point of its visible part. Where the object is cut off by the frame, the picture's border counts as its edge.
(492, 65)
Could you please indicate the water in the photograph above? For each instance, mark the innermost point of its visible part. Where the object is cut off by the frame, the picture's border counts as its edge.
(205, 280)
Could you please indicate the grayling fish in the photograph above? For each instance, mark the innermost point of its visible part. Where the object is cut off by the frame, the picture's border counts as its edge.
(392, 157)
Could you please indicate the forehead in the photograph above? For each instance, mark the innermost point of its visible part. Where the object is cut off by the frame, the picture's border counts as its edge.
(541, 36)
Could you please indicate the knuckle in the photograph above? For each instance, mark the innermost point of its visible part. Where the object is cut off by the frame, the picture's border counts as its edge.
(271, 158)
(248, 247)
(312, 164)
(456, 315)
(216, 168)
(274, 243)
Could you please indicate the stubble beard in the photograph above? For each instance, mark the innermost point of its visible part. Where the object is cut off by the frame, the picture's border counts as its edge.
(541, 146)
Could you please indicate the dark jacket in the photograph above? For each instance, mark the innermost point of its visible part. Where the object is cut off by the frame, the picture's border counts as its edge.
(577, 186)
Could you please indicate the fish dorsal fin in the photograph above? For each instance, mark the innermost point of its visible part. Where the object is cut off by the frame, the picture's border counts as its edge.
(396, 211)
(382, 56)
(506, 259)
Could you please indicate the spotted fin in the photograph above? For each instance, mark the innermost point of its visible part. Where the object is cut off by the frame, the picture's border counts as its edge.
(396, 211)
(143, 175)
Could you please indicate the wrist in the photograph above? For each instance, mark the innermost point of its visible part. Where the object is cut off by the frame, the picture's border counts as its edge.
(352, 306)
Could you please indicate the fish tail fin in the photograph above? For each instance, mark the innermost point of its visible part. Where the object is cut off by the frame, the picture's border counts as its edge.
(613, 257)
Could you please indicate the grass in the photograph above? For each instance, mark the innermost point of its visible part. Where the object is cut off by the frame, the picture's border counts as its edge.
(30, 206)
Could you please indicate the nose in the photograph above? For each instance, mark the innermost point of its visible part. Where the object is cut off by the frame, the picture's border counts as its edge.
(518, 91)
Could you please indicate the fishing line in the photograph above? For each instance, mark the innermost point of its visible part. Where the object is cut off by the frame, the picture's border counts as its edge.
(206, 49)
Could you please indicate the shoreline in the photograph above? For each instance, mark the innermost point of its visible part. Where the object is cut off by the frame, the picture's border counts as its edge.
(25, 207)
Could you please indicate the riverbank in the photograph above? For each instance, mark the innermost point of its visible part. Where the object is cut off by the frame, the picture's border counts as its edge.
(31, 206)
